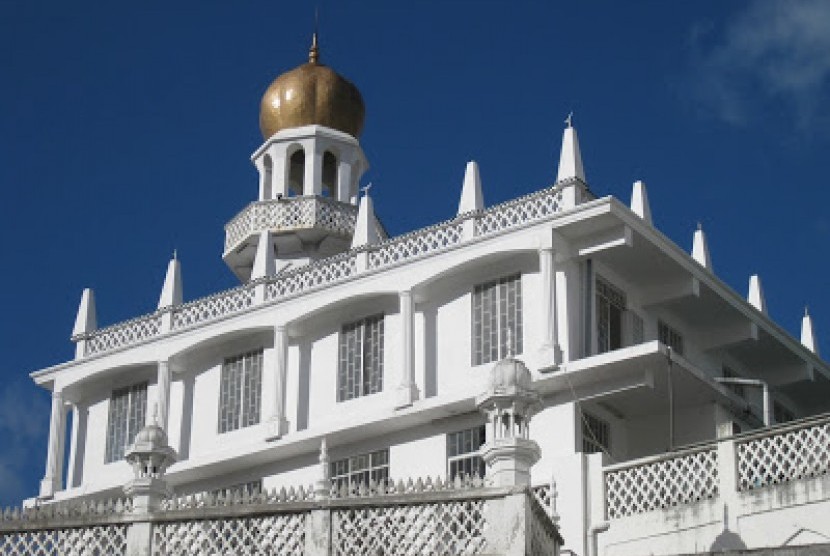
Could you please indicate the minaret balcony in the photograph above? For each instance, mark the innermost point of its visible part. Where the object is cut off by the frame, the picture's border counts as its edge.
(310, 216)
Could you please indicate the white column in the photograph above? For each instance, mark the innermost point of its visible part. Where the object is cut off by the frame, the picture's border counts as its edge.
(551, 353)
(344, 180)
(54, 456)
(73, 447)
(162, 394)
(277, 424)
(407, 391)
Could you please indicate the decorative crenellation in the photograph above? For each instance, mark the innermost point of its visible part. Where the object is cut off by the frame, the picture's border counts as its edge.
(67, 510)
(241, 497)
(790, 454)
(389, 487)
(662, 483)
(290, 213)
(335, 217)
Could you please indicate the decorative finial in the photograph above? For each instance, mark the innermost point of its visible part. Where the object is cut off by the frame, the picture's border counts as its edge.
(699, 225)
(314, 51)
(806, 311)
(175, 255)
(365, 189)
(569, 121)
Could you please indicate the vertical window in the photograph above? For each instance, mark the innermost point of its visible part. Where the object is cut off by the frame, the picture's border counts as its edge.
(463, 458)
(610, 310)
(737, 389)
(497, 319)
(329, 177)
(360, 369)
(240, 391)
(670, 337)
(127, 414)
(296, 173)
(596, 434)
(360, 469)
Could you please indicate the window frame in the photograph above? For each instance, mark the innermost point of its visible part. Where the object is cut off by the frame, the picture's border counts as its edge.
(596, 434)
(359, 469)
(249, 377)
(490, 335)
(609, 297)
(670, 336)
(459, 456)
(133, 420)
(356, 379)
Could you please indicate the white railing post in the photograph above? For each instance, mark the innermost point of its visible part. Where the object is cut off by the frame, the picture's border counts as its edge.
(728, 481)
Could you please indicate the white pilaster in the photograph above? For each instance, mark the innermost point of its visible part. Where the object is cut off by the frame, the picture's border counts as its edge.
(73, 446)
(52, 482)
(808, 338)
(407, 391)
(756, 294)
(163, 377)
(277, 425)
(550, 352)
(639, 201)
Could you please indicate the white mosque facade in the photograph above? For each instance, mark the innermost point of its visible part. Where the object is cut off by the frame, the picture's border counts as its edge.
(379, 345)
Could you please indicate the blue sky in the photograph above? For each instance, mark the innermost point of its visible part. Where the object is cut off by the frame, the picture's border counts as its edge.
(126, 133)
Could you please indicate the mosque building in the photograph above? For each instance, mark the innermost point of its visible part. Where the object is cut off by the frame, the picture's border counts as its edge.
(379, 346)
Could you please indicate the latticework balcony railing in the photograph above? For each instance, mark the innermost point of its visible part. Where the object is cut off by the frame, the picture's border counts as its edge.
(290, 213)
(747, 462)
(305, 211)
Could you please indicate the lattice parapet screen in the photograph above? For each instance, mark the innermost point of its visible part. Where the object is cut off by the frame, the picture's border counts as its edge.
(213, 307)
(279, 534)
(125, 333)
(786, 456)
(520, 211)
(102, 540)
(662, 484)
(543, 535)
(542, 494)
(437, 528)
(311, 276)
(409, 246)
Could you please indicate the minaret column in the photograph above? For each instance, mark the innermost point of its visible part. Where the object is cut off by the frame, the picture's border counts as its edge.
(344, 179)
(52, 480)
(550, 350)
(313, 176)
(277, 425)
(407, 391)
(163, 378)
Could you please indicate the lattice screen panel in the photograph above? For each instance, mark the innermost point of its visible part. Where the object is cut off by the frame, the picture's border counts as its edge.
(444, 528)
(104, 540)
(519, 211)
(662, 484)
(282, 534)
(788, 456)
(413, 245)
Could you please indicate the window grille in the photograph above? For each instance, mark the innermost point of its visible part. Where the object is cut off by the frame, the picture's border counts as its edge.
(781, 413)
(636, 327)
(497, 309)
(127, 414)
(463, 457)
(596, 434)
(251, 488)
(737, 389)
(610, 311)
(240, 391)
(670, 337)
(361, 358)
(360, 469)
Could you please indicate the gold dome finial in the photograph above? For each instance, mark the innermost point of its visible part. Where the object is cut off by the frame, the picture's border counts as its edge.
(314, 51)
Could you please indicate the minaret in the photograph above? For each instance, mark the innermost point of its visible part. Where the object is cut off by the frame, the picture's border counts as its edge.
(309, 165)
(571, 173)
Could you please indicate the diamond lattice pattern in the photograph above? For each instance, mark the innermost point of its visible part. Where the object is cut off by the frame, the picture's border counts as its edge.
(524, 209)
(282, 534)
(416, 244)
(662, 484)
(788, 456)
(103, 540)
(443, 528)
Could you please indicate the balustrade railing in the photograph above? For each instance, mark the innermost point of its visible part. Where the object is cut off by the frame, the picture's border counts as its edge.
(764, 458)
(336, 217)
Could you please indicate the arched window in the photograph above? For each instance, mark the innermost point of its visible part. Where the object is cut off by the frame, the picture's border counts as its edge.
(267, 175)
(329, 188)
(296, 173)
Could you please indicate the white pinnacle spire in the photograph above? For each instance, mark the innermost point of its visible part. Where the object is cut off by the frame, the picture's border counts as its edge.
(171, 292)
(639, 201)
(365, 230)
(700, 249)
(471, 197)
(570, 161)
(86, 321)
(756, 294)
(808, 338)
(264, 261)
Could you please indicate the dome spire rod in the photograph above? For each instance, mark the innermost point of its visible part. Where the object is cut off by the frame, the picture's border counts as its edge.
(314, 51)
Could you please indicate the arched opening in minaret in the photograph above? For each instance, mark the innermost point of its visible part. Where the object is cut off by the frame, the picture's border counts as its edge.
(267, 175)
(296, 173)
(329, 180)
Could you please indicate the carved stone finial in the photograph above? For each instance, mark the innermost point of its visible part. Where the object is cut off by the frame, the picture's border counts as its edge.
(365, 189)
(569, 120)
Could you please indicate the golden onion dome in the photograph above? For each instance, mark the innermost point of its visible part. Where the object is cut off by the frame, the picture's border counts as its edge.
(311, 94)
